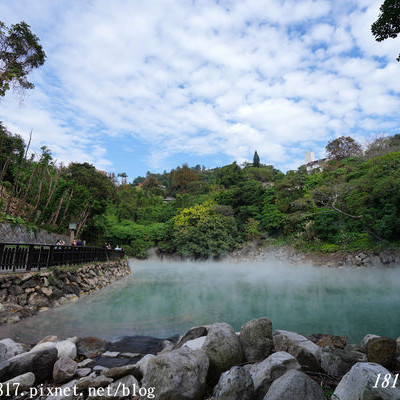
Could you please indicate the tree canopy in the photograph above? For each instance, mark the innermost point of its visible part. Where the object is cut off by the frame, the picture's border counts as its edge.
(388, 23)
(20, 53)
(342, 147)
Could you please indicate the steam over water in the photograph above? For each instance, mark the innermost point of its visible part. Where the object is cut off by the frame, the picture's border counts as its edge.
(163, 298)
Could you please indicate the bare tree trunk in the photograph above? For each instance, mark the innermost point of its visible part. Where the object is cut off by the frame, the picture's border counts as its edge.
(58, 210)
(66, 208)
(34, 209)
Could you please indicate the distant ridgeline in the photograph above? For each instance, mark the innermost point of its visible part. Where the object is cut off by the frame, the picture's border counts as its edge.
(348, 201)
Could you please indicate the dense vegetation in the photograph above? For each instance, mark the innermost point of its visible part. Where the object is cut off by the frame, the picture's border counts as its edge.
(352, 203)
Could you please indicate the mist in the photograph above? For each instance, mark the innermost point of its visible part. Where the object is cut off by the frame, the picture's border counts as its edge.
(163, 298)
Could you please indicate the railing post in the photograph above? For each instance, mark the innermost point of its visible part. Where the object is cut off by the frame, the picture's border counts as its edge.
(49, 258)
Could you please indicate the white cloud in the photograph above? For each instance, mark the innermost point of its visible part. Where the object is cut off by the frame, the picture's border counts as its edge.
(204, 78)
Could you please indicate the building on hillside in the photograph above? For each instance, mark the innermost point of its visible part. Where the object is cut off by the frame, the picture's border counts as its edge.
(312, 164)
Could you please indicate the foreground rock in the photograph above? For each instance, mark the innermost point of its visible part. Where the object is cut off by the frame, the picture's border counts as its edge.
(265, 372)
(307, 353)
(179, 375)
(381, 350)
(338, 362)
(91, 346)
(222, 347)
(256, 339)
(359, 382)
(64, 369)
(235, 384)
(295, 385)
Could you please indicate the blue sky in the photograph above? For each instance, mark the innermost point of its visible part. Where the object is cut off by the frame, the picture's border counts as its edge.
(132, 86)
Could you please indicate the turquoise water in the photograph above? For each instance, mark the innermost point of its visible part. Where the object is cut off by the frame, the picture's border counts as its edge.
(163, 298)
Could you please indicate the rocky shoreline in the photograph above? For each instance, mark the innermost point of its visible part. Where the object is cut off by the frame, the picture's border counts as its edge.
(210, 362)
(23, 295)
(387, 258)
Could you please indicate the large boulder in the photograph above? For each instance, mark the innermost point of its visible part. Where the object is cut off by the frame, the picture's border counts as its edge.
(65, 348)
(380, 350)
(337, 362)
(9, 348)
(124, 388)
(235, 384)
(265, 372)
(64, 369)
(295, 385)
(179, 374)
(41, 363)
(359, 384)
(22, 382)
(222, 347)
(307, 353)
(192, 334)
(256, 339)
(91, 346)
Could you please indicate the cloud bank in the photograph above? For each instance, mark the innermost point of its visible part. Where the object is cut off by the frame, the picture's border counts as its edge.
(162, 80)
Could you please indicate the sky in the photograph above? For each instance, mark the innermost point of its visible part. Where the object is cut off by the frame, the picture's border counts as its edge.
(135, 86)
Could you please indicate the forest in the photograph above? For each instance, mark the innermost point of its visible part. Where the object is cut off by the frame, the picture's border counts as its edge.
(351, 203)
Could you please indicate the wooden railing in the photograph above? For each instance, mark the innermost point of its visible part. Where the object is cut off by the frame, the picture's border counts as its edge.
(26, 257)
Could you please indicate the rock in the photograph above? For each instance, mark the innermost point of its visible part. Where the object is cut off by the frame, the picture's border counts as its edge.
(266, 371)
(64, 369)
(256, 339)
(143, 363)
(235, 384)
(23, 382)
(323, 340)
(222, 347)
(195, 344)
(91, 346)
(119, 372)
(50, 338)
(4, 370)
(123, 388)
(94, 382)
(307, 353)
(39, 362)
(380, 350)
(15, 290)
(66, 348)
(359, 382)
(81, 372)
(337, 362)
(65, 392)
(38, 300)
(85, 363)
(9, 348)
(179, 374)
(295, 385)
(110, 354)
(192, 334)
(100, 368)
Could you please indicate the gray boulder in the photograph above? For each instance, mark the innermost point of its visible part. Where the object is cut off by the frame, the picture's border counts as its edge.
(337, 362)
(119, 372)
(359, 382)
(380, 350)
(91, 346)
(39, 362)
(235, 384)
(222, 347)
(23, 382)
(123, 388)
(273, 367)
(256, 339)
(64, 369)
(65, 348)
(295, 385)
(192, 334)
(9, 348)
(143, 363)
(65, 392)
(179, 374)
(307, 353)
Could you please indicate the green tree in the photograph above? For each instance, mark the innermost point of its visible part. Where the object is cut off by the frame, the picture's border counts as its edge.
(388, 23)
(230, 175)
(256, 160)
(20, 53)
(343, 147)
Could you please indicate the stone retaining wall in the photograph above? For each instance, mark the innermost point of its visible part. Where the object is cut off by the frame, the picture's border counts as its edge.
(25, 294)
(21, 234)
